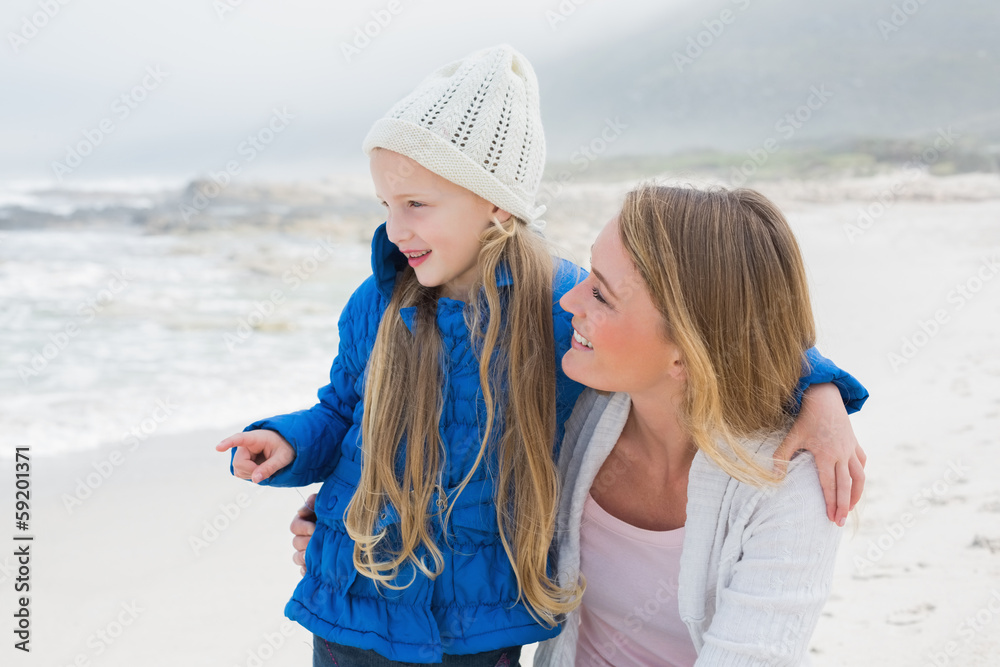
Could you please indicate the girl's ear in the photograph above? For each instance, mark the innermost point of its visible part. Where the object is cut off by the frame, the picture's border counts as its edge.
(500, 214)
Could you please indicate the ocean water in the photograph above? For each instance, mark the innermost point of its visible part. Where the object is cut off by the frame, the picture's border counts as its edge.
(116, 323)
(112, 334)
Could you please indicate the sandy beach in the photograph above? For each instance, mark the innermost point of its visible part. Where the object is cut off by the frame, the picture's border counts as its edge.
(154, 555)
(166, 561)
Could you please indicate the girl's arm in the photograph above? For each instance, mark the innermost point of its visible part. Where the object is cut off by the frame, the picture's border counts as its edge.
(826, 395)
(314, 436)
(769, 606)
(821, 370)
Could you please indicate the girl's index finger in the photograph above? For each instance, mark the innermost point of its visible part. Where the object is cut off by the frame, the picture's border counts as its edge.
(228, 443)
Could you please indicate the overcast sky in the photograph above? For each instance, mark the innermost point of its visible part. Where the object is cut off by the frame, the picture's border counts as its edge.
(225, 65)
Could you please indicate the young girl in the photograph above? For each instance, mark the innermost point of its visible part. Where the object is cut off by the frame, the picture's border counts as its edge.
(434, 439)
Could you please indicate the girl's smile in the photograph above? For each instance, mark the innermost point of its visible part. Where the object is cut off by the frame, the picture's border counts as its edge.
(416, 258)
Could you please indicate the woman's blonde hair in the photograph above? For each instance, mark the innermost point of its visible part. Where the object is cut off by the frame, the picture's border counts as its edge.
(512, 334)
(725, 272)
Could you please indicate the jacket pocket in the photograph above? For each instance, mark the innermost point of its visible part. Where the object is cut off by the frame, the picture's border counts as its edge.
(332, 501)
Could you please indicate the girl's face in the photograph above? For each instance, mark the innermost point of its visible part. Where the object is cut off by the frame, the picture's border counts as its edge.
(432, 221)
(619, 343)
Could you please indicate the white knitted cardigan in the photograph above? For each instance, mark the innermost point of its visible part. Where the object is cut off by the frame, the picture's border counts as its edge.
(756, 564)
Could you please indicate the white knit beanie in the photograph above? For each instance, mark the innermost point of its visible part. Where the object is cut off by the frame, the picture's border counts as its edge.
(475, 122)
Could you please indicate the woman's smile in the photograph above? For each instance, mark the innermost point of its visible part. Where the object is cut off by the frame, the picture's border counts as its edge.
(581, 343)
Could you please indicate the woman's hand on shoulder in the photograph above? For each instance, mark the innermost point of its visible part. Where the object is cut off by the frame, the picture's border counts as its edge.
(302, 528)
(824, 430)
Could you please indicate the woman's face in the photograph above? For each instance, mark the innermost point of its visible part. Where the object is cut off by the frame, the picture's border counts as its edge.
(619, 340)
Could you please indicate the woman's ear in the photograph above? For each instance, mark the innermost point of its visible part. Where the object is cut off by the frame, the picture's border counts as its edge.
(677, 370)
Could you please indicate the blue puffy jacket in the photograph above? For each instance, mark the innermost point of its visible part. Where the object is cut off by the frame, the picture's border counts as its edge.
(472, 605)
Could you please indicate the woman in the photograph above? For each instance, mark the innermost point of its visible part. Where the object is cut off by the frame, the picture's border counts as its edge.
(696, 314)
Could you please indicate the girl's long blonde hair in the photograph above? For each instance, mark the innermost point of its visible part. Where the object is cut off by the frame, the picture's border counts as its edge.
(513, 337)
(726, 274)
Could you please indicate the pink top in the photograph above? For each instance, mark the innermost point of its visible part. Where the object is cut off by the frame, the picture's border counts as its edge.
(629, 613)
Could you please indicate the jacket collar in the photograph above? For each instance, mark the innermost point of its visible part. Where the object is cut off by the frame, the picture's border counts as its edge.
(387, 261)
